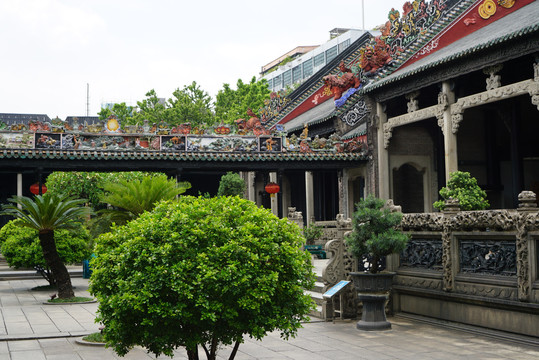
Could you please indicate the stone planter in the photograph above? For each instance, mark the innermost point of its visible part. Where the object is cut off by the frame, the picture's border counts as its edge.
(373, 292)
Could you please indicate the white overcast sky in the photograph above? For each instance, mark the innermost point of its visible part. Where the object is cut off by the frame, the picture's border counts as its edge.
(50, 49)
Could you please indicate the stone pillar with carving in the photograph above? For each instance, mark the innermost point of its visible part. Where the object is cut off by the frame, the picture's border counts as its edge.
(528, 219)
(309, 197)
(383, 154)
(295, 216)
(343, 192)
(273, 197)
(340, 264)
(449, 247)
(445, 100)
(251, 193)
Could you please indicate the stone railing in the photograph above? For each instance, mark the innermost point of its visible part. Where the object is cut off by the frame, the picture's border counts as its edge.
(474, 267)
(489, 245)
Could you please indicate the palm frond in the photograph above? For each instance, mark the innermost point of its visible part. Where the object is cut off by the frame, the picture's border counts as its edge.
(46, 212)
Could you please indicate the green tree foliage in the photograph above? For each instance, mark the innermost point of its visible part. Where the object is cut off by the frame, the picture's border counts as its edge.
(48, 213)
(123, 112)
(231, 105)
(231, 184)
(89, 185)
(190, 105)
(374, 232)
(152, 109)
(312, 232)
(21, 247)
(463, 186)
(200, 272)
(130, 198)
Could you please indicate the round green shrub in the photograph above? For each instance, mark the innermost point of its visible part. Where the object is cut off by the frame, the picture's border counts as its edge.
(200, 271)
(231, 184)
(463, 186)
(21, 247)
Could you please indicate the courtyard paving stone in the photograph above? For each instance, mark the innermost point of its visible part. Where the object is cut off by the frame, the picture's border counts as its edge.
(30, 330)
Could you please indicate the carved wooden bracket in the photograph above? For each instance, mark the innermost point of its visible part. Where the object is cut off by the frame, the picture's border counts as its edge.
(494, 81)
(413, 103)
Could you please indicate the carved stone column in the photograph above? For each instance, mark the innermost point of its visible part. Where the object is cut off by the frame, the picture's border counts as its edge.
(343, 192)
(295, 216)
(309, 197)
(528, 215)
(19, 187)
(450, 137)
(251, 193)
(273, 197)
(383, 154)
(449, 245)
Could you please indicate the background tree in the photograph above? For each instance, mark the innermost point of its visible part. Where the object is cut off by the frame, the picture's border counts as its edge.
(152, 108)
(21, 247)
(200, 272)
(191, 105)
(463, 186)
(47, 213)
(89, 185)
(130, 198)
(231, 105)
(123, 112)
(231, 184)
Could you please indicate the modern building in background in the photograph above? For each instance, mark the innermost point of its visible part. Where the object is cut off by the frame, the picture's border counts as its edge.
(305, 64)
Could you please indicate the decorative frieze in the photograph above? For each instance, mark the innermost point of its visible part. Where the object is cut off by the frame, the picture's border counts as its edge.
(356, 114)
(488, 257)
(501, 93)
(423, 253)
(417, 115)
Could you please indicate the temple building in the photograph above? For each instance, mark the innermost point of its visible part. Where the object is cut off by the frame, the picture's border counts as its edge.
(448, 85)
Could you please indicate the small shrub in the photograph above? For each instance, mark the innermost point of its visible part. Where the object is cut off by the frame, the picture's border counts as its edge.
(231, 184)
(374, 232)
(22, 249)
(463, 186)
(312, 233)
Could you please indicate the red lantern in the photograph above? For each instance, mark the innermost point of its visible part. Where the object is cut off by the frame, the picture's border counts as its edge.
(272, 188)
(34, 189)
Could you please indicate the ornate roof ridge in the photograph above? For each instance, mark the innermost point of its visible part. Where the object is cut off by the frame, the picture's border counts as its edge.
(182, 156)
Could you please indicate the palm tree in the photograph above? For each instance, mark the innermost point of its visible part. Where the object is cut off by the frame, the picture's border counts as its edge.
(47, 213)
(130, 198)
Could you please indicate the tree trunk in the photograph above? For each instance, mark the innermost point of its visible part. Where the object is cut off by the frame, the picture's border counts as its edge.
(192, 354)
(59, 271)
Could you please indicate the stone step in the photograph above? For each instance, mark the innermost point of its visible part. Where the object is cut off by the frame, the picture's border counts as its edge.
(316, 296)
(32, 274)
(318, 287)
(317, 312)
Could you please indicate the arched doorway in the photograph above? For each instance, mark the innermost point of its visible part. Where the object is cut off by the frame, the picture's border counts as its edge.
(408, 188)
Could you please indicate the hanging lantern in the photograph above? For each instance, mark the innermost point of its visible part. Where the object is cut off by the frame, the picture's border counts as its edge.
(34, 189)
(272, 188)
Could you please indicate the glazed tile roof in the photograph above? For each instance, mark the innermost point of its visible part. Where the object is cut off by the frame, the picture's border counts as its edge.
(315, 82)
(512, 26)
(358, 131)
(311, 116)
(38, 154)
(9, 118)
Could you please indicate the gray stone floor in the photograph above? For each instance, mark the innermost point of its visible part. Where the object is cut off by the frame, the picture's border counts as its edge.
(31, 330)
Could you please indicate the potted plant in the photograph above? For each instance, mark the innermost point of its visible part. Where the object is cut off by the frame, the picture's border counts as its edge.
(374, 236)
(311, 233)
